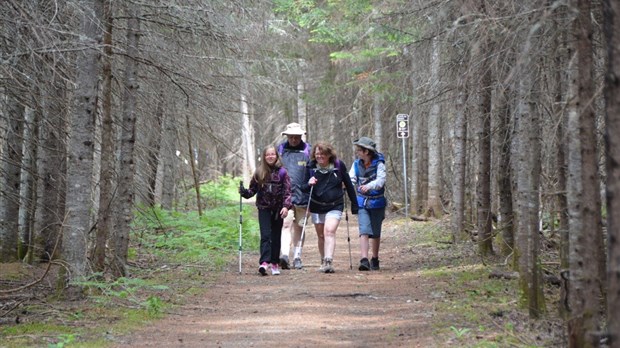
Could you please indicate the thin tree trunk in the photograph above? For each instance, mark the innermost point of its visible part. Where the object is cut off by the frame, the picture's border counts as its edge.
(483, 187)
(459, 153)
(10, 182)
(153, 151)
(169, 159)
(193, 164)
(126, 191)
(106, 194)
(376, 120)
(249, 159)
(434, 206)
(27, 194)
(504, 174)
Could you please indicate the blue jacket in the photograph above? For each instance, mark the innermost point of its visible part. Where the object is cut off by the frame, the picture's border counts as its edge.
(294, 160)
(373, 177)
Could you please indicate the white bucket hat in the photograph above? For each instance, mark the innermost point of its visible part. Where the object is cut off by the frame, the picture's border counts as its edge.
(293, 129)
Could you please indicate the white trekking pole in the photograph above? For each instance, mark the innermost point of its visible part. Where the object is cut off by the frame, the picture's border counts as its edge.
(303, 229)
(240, 223)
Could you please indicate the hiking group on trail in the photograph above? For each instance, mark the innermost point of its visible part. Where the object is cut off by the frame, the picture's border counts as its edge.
(295, 180)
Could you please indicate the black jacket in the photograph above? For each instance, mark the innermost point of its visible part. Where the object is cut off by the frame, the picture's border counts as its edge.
(328, 194)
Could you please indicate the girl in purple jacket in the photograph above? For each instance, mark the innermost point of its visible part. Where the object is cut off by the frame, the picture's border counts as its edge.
(272, 187)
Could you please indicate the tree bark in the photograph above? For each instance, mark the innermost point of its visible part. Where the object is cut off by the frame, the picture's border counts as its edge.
(106, 176)
(81, 146)
(528, 180)
(459, 153)
(434, 205)
(52, 166)
(124, 212)
(612, 146)
(583, 195)
(10, 181)
(483, 186)
(506, 218)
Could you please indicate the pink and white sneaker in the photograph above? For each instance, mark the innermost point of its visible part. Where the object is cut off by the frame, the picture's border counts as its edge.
(263, 268)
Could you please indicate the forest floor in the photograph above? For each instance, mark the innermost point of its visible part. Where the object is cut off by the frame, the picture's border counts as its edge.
(428, 293)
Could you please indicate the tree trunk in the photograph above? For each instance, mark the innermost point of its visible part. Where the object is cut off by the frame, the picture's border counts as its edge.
(459, 153)
(126, 192)
(434, 205)
(528, 183)
(52, 166)
(249, 158)
(583, 196)
(192, 163)
(376, 120)
(612, 145)
(302, 108)
(10, 181)
(153, 150)
(81, 146)
(506, 218)
(169, 159)
(483, 110)
(106, 176)
(27, 194)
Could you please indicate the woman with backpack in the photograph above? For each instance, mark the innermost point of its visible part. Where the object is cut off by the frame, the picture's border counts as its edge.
(326, 175)
(272, 187)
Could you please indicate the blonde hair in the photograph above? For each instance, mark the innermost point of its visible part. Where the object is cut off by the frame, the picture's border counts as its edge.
(263, 172)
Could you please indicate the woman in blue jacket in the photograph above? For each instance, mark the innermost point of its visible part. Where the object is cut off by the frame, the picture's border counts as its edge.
(368, 174)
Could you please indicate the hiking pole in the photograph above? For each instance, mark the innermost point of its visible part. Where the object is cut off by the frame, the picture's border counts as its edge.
(303, 229)
(346, 218)
(240, 222)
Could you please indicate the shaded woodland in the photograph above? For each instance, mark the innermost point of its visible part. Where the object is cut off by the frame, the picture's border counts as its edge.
(514, 111)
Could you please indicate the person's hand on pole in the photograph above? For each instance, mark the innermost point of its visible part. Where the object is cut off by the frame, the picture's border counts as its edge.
(312, 181)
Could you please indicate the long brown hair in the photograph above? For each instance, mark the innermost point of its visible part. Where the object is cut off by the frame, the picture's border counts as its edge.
(263, 172)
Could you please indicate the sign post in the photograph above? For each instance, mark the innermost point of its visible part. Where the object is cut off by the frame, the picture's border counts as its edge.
(402, 131)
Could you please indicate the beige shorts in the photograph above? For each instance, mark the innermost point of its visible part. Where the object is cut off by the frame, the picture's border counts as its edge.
(297, 213)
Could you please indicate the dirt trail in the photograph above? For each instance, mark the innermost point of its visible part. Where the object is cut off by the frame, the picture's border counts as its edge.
(305, 308)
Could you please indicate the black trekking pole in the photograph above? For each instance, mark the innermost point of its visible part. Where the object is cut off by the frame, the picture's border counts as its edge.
(240, 223)
(346, 218)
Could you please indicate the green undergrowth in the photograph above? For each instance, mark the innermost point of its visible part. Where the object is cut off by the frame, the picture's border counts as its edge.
(173, 256)
(472, 309)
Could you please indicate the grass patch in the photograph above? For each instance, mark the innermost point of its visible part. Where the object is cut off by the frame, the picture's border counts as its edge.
(174, 256)
(472, 309)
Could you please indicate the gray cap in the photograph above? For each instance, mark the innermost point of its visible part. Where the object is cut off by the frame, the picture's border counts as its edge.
(366, 143)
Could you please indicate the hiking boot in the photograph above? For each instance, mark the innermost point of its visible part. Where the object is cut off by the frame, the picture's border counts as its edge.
(364, 265)
(328, 268)
(275, 269)
(284, 262)
(374, 264)
(322, 267)
(297, 263)
(263, 268)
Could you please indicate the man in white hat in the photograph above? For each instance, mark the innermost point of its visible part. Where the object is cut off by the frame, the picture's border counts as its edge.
(294, 154)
